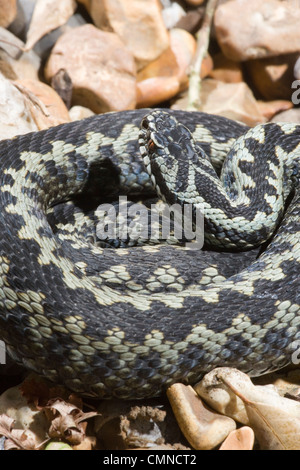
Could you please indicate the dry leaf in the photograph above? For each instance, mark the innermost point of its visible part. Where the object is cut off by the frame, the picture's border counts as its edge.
(67, 421)
(274, 419)
(16, 438)
(48, 15)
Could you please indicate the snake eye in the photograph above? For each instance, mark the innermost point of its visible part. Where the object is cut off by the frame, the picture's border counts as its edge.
(145, 124)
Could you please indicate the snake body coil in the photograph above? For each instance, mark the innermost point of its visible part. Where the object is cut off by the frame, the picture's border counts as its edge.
(128, 323)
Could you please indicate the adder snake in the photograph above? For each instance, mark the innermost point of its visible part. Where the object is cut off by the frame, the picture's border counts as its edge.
(130, 322)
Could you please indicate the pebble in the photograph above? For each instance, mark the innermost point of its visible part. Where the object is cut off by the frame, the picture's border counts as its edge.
(47, 17)
(101, 68)
(57, 112)
(14, 63)
(191, 21)
(218, 396)
(240, 439)
(203, 428)
(297, 69)
(232, 100)
(272, 77)
(292, 115)
(251, 30)
(226, 70)
(270, 108)
(163, 78)
(15, 117)
(14, 405)
(8, 11)
(172, 14)
(139, 25)
(80, 112)
(194, 2)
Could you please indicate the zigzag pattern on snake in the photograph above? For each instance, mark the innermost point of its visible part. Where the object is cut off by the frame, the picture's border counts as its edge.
(130, 322)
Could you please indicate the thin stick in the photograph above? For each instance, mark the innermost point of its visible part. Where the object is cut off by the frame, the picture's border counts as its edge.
(203, 36)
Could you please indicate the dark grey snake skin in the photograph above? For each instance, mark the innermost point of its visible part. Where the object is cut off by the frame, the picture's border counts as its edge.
(130, 322)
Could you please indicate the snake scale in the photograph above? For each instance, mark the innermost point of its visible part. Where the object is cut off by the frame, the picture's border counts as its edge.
(129, 322)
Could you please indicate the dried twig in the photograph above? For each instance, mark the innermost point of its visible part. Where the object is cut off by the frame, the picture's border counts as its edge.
(201, 51)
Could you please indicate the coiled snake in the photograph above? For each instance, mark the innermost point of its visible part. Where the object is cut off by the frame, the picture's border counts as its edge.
(130, 322)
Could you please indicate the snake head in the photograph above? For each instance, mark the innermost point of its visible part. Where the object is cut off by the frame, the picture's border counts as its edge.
(168, 150)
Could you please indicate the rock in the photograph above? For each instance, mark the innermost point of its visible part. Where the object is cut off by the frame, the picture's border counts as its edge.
(62, 84)
(172, 14)
(8, 11)
(226, 70)
(194, 2)
(203, 428)
(251, 30)
(56, 111)
(272, 77)
(165, 77)
(158, 81)
(297, 69)
(218, 396)
(46, 17)
(292, 115)
(79, 112)
(183, 46)
(14, 405)
(191, 21)
(15, 116)
(240, 439)
(14, 63)
(138, 23)
(232, 100)
(156, 90)
(45, 44)
(101, 68)
(269, 108)
(20, 25)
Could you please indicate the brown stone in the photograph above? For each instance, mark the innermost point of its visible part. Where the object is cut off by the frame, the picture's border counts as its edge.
(46, 17)
(231, 100)
(163, 78)
(15, 115)
(272, 77)
(191, 21)
(297, 69)
(194, 2)
(158, 81)
(226, 70)
(156, 90)
(101, 68)
(8, 11)
(79, 112)
(292, 115)
(56, 111)
(251, 30)
(203, 428)
(14, 63)
(269, 108)
(239, 439)
(138, 23)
